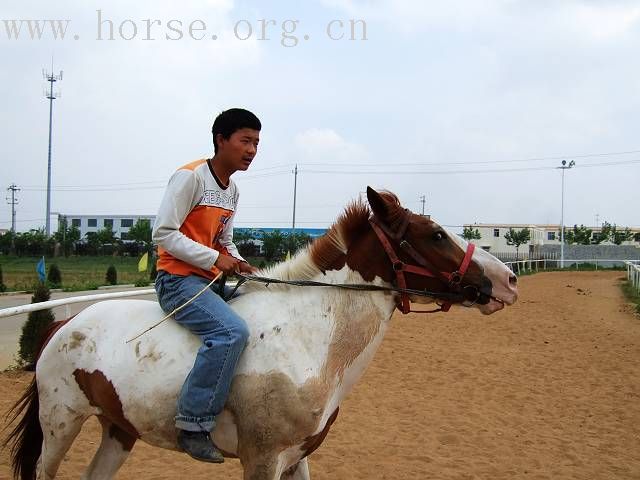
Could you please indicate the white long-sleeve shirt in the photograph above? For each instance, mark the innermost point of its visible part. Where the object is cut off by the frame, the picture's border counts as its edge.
(195, 221)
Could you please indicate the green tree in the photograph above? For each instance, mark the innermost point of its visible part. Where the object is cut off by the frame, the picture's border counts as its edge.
(5, 243)
(34, 243)
(96, 241)
(36, 324)
(141, 233)
(273, 245)
(67, 236)
(469, 233)
(244, 241)
(603, 235)
(517, 238)
(569, 239)
(580, 235)
(295, 241)
(619, 236)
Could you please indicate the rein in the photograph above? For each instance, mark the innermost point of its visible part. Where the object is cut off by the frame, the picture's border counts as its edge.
(452, 297)
(453, 280)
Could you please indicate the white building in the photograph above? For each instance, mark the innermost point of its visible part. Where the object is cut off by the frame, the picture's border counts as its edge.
(120, 224)
(492, 236)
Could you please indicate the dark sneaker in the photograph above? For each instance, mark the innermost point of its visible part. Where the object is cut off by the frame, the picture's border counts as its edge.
(199, 446)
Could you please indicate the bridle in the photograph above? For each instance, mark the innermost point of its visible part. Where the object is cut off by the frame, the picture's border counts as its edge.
(453, 280)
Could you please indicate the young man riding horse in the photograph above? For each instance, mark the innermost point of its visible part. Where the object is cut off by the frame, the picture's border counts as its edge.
(194, 233)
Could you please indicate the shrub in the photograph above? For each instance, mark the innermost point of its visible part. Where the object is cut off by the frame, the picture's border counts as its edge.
(142, 282)
(3, 287)
(112, 275)
(34, 327)
(54, 278)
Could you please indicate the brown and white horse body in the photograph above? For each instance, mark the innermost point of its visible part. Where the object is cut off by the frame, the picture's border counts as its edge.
(307, 349)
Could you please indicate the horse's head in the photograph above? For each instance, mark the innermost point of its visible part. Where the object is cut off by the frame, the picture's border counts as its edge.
(432, 259)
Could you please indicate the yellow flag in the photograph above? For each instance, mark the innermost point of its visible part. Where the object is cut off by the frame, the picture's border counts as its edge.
(144, 261)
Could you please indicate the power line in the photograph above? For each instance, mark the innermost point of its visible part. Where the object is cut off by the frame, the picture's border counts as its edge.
(140, 185)
(456, 172)
(483, 162)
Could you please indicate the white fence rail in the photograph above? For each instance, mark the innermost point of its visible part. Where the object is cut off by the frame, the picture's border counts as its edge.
(633, 273)
(520, 266)
(523, 266)
(32, 307)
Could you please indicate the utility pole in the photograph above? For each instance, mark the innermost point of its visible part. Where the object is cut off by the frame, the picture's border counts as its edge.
(423, 200)
(295, 192)
(51, 95)
(13, 202)
(563, 168)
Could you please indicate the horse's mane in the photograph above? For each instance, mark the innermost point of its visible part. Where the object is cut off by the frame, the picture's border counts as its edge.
(322, 253)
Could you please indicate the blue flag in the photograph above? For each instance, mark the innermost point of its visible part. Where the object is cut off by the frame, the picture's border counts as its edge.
(40, 269)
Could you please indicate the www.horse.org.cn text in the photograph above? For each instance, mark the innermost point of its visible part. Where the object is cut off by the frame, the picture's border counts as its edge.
(288, 32)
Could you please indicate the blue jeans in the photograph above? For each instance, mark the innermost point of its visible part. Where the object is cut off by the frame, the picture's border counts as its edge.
(224, 335)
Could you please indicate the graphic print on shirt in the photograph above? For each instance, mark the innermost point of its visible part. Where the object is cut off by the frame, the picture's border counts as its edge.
(205, 223)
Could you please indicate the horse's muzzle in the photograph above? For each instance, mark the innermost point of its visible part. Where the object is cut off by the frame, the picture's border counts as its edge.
(475, 295)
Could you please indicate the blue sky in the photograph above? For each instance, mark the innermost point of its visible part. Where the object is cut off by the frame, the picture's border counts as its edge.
(470, 103)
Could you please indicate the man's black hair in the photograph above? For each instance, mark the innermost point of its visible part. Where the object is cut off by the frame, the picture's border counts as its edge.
(232, 120)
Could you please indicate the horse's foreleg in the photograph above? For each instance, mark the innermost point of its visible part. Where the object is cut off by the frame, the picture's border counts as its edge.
(114, 449)
(299, 471)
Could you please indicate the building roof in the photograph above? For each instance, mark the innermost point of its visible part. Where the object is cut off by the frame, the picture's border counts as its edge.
(126, 215)
(550, 226)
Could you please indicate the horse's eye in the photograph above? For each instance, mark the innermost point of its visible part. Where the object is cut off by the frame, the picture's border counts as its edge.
(438, 236)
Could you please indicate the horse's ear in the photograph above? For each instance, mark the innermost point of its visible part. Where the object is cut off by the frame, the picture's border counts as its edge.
(378, 205)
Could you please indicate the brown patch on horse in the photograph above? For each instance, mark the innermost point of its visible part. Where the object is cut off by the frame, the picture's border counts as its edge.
(102, 394)
(349, 241)
(125, 439)
(272, 413)
(312, 443)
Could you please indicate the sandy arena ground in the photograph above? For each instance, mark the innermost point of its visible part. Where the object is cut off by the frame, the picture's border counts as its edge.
(547, 389)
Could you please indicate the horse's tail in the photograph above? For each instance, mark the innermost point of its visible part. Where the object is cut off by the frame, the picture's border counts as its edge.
(26, 438)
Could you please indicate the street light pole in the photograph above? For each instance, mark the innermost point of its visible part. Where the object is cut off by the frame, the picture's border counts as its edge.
(295, 195)
(51, 95)
(563, 168)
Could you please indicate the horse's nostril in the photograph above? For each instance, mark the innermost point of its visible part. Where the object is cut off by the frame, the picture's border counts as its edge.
(513, 280)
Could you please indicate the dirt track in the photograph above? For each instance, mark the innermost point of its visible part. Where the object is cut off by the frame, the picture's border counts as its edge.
(549, 388)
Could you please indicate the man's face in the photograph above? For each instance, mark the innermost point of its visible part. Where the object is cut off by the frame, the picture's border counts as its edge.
(238, 151)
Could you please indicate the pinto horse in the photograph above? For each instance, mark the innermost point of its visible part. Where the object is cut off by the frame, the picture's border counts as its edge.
(307, 349)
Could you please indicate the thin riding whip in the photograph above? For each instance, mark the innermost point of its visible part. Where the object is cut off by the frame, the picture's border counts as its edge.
(177, 309)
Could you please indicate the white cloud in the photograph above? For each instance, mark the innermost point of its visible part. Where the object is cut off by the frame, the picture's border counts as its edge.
(589, 19)
(327, 146)
(605, 21)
